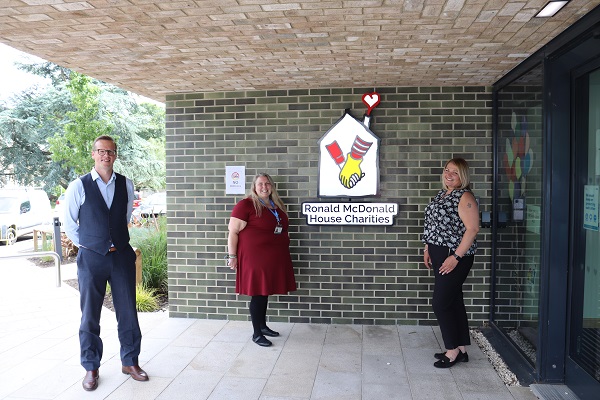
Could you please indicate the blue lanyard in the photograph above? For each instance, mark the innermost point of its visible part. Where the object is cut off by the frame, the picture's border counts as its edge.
(273, 210)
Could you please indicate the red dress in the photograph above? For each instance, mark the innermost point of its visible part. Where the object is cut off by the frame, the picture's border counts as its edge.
(264, 260)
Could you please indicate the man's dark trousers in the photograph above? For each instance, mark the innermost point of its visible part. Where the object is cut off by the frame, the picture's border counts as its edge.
(94, 270)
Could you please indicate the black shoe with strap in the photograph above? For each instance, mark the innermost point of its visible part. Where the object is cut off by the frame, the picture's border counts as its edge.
(438, 356)
(261, 341)
(268, 332)
(445, 362)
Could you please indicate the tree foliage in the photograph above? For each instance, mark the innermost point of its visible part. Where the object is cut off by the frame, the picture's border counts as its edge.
(55, 73)
(46, 136)
(24, 132)
(72, 146)
(139, 130)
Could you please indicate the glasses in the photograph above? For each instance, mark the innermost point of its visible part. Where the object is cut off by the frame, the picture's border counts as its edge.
(103, 152)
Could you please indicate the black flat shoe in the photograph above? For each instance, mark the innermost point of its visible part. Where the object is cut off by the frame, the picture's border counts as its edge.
(465, 356)
(261, 341)
(445, 362)
(269, 332)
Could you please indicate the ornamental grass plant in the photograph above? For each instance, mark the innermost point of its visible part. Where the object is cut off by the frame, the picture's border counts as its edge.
(146, 299)
(151, 240)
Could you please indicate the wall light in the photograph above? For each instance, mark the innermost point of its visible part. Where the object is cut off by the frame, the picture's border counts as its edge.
(551, 8)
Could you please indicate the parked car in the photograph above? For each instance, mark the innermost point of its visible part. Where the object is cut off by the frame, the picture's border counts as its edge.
(137, 199)
(152, 206)
(59, 207)
(21, 210)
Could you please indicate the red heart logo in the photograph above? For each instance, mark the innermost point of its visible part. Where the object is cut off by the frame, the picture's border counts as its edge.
(371, 100)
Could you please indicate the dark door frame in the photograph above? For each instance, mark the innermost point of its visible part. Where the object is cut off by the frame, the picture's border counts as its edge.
(559, 58)
(584, 385)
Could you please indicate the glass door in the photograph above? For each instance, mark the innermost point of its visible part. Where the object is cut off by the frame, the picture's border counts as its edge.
(583, 358)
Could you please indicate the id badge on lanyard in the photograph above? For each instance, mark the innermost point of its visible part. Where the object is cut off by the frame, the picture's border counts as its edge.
(278, 228)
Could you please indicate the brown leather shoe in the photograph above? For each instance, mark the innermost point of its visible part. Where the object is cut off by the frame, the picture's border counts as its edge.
(136, 372)
(90, 382)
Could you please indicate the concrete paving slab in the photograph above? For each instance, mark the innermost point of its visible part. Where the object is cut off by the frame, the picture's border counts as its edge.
(334, 385)
(381, 340)
(238, 388)
(191, 384)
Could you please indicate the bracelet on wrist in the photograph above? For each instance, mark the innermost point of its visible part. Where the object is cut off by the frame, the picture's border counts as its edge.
(230, 256)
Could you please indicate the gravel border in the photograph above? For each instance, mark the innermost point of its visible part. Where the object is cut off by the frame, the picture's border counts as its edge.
(523, 344)
(507, 376)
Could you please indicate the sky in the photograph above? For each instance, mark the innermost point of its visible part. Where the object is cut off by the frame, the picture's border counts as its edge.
(13, 80)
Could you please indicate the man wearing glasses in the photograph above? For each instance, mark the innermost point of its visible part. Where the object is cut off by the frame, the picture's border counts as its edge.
(98, 208)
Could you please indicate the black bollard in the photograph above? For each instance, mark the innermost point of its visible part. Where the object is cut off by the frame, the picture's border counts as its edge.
(57, 237)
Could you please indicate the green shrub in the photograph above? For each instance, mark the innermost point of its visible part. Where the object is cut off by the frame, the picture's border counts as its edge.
(47, 246)
(145, 299)
(152, 242)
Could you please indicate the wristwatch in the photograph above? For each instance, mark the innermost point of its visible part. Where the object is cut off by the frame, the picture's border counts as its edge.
(458, 258)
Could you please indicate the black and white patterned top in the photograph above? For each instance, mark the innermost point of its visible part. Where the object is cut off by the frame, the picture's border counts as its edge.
(443, 226)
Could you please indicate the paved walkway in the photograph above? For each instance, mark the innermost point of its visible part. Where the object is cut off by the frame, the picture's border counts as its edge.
(207, 359)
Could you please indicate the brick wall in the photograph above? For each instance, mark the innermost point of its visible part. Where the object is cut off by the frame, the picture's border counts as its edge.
(347, 274)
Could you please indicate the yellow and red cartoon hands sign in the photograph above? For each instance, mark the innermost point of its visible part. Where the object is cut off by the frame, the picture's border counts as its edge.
(350, 172)
(349, 156)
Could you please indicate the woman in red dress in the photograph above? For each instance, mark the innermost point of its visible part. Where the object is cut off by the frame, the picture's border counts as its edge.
(259, 251)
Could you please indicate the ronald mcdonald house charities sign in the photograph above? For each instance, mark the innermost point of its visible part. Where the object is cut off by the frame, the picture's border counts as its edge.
(349, 213)
(349, 168)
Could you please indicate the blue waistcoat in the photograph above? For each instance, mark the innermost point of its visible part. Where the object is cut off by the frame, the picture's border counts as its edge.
(99, 226)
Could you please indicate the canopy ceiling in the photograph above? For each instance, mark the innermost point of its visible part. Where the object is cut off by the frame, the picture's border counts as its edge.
(158, 47)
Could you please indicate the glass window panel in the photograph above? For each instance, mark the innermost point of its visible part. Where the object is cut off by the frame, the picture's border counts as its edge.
(519, 211)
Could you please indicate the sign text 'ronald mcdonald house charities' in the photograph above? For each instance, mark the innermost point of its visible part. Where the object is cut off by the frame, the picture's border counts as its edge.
(349, 213)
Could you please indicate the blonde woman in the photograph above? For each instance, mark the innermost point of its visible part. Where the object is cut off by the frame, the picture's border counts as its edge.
(259, 252)
(451, 225)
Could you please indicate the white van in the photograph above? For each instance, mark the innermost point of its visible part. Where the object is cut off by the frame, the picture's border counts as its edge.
(21, 210)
